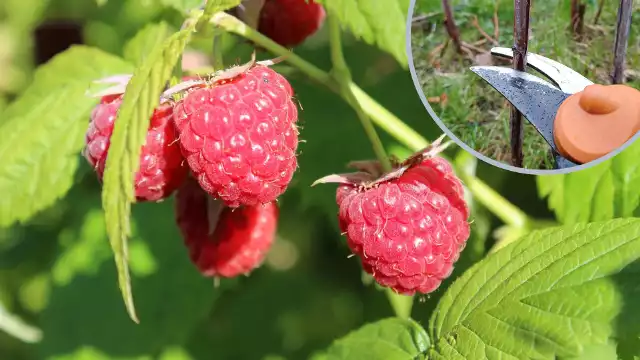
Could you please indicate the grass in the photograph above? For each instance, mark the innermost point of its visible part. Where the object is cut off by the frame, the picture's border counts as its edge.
(474, 111)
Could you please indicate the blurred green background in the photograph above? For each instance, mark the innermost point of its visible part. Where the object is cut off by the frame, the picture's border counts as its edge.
(57, 274)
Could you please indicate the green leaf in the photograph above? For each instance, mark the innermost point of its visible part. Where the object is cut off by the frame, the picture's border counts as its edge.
(174, 300)
(605, 191)
(214, 6)
(605, 351)
(143, 43)
(388, 339)
(42, 132)
(364, 19)
(140, 99)
(184, 6)
(628, 347)
(552, 293)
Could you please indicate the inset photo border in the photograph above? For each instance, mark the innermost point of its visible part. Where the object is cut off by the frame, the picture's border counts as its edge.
(461, 58)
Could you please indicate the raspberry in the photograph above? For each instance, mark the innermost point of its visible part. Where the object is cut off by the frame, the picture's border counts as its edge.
(238, 133)
(408, 229)
(241, 238)
(290, 22)
(160, 171)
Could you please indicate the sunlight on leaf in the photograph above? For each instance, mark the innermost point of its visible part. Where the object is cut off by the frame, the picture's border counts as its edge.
(552, 293)
(42, 132)
(388, 339)
(141, 98)
(606, 191)
(143, 43)
(363, 19)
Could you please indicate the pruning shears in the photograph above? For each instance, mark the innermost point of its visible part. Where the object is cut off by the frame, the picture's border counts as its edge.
(580, 120)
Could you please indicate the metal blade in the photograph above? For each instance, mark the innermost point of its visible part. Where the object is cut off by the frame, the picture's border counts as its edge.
(567, 79)
(535, 98)
(563, 162)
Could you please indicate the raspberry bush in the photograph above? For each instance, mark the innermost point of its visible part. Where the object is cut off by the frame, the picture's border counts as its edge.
(173, 155)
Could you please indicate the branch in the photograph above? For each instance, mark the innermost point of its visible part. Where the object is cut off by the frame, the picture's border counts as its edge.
(520, 43)
(450, 24)
(622, 39)
(598, 12)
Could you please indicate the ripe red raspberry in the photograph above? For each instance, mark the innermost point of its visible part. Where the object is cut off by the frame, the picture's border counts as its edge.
(238, 133)
(409, 227)
(290, 22)
(161, 169)
(240, 240)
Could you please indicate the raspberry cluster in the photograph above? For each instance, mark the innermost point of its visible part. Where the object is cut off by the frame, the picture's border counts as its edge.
(236, 134)
(228, 149)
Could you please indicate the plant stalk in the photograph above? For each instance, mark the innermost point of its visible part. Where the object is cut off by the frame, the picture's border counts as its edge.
(342, 75)
(450, 25)
(622, 40)
(400, 304)
(598, 12)
(520, 42)
(218, 58)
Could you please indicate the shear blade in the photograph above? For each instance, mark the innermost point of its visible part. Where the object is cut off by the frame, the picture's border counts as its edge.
(567, 79)
(535, 98)
(563, 163)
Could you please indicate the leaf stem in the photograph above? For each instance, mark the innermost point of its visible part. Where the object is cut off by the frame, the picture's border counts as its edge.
(401, 304)
(218, 59)
(340, 72)
(494, 202)
(233, 25)
(501, 207)
(342, 75)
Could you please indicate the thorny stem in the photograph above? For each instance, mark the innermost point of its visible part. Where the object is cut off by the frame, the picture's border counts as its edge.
(492, 200)
(342, 76)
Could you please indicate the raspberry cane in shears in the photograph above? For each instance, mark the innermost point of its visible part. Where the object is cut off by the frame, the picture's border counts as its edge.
(580, 120)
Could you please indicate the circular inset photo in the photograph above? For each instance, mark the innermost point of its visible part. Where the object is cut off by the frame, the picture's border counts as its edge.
(533, 87)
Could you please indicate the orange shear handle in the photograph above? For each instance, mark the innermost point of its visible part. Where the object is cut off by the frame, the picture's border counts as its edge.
(596, 121)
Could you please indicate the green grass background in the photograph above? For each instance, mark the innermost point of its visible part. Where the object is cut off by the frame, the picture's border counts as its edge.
(478, 114)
